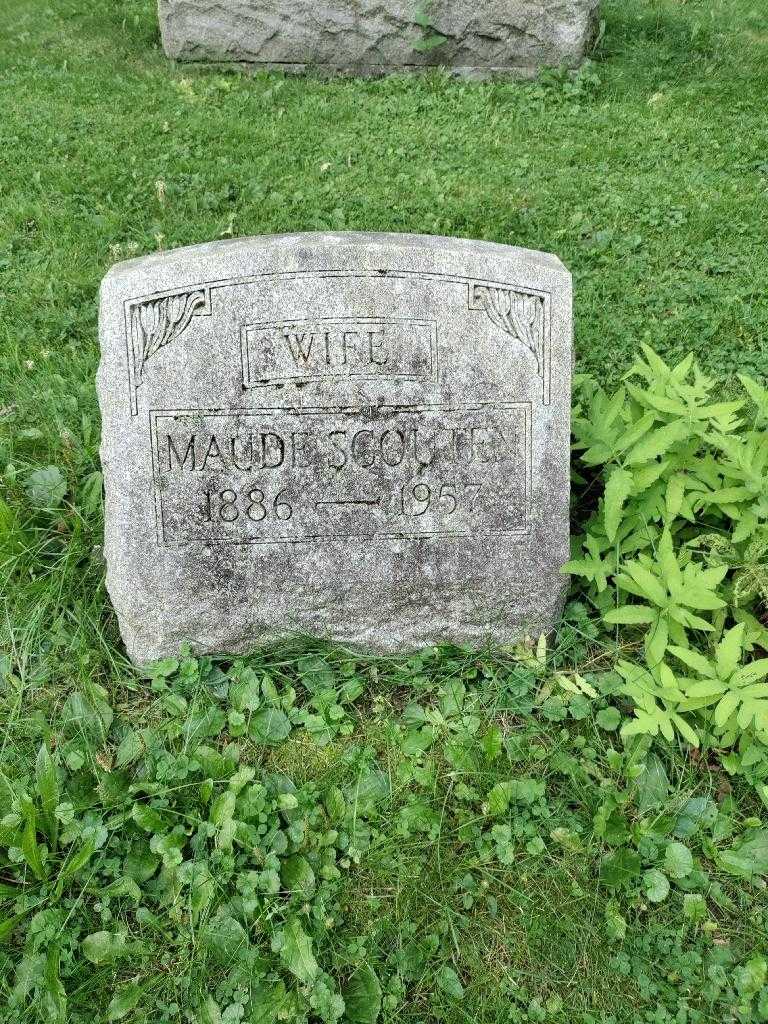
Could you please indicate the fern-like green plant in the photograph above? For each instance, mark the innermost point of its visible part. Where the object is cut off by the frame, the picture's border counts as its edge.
(672, 488)
(735, 692)
(671, 597)
(724, 702)
(749, 563)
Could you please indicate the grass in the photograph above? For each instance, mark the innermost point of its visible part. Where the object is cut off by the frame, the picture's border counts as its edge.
(465, 908)
(647, 174)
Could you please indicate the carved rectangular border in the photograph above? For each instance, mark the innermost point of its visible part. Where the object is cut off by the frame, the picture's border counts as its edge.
(523, 531)
(255, 382)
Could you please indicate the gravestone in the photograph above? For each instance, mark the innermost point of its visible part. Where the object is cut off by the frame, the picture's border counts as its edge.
(471, 37)
(357, 436)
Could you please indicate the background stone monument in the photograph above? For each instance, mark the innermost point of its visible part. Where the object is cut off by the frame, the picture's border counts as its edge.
(358, 436)
(472, 37)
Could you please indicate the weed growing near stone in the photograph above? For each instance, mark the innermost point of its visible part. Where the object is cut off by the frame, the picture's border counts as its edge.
(674, 485)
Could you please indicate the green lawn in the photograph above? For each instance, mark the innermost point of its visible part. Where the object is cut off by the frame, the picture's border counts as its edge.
(456, 836)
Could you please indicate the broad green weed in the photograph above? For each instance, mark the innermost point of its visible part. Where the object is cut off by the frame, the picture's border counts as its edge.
(677, 494)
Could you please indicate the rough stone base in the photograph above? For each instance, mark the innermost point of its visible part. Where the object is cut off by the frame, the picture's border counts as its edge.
(329, 71)
(483, 38)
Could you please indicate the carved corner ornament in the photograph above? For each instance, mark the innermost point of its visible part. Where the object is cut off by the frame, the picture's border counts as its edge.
(151, 324)
(520, 315)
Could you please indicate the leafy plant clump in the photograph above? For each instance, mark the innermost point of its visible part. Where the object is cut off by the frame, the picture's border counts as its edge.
(167, 836)
(673, 488)
(247, 842)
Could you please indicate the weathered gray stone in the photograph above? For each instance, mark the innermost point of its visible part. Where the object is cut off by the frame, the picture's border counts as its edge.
(358, 436)
(376, 36)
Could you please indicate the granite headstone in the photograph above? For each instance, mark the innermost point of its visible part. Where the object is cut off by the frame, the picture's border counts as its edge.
(474, 38)
(358, 436)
